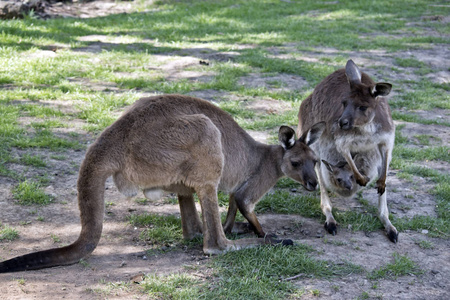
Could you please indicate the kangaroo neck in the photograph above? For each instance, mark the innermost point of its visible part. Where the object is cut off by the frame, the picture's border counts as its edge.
(270, 159)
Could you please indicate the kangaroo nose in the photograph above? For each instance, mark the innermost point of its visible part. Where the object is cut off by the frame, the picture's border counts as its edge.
(344, 123)
(311, 185)
(348, 185)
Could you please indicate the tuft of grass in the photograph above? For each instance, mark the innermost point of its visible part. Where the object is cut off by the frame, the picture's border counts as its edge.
(174, 286)
(424, 244)
(30, 193)
(281, 201)
(33, 160)
(8, 233)
(401, 266)
(266, 269)
(44, 139)
(159, 229)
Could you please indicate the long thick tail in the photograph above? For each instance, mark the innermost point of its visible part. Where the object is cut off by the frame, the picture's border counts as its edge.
(47, 258)
(91, 186)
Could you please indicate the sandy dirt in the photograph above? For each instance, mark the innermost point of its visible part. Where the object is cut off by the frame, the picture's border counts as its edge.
(121, 256)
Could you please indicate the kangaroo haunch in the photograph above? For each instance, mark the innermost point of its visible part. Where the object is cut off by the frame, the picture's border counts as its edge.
(183, 145)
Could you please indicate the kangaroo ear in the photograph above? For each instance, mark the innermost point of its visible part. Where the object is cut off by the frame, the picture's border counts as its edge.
(313, 134)
(352, 72)
(286, 136)
(381, 89)
(328, 165)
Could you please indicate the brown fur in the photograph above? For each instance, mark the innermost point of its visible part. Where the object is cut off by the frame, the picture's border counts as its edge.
(183, 145)
(358, 121)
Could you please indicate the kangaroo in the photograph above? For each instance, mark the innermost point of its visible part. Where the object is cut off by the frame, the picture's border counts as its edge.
(358, 120)
(183, 145)
(338, 177)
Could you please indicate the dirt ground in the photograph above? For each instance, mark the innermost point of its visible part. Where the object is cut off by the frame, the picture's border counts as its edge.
(120, 256)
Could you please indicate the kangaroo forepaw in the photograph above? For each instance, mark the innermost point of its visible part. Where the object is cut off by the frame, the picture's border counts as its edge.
(287, 242)
(363, 181)
(393, 235)
(272, 239)
(381, 187)
(331, 228)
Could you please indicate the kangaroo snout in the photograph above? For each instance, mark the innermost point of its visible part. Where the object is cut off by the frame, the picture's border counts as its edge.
(348, 185)
(311, 185)
(345, 123)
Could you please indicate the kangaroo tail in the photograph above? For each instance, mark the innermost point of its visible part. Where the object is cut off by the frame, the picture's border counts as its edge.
(91, 186)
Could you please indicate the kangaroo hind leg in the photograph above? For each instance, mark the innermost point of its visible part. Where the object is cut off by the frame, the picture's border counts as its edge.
(190, 220)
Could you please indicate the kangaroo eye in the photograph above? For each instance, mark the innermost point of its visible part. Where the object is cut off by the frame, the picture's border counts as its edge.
(344, 103)
(363, 108)
(339, 180)
(295, 164)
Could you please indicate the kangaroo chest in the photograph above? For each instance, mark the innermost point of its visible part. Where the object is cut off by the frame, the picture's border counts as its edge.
(361, 140)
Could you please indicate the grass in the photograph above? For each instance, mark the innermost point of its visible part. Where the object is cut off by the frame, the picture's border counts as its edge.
(30, 193)
(8, 233)
(178, 286)
(161, 230)
(33, 160)
(265, 270)
(401, 266)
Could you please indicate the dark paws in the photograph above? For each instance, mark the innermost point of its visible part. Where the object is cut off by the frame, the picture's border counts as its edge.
(363, 181)
(287, 242)
(393, 236)
(331, 228)
(273, 239)
(381, 187)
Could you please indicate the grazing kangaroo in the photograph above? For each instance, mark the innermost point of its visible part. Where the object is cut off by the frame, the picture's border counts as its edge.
(183, 145)
(358, 121)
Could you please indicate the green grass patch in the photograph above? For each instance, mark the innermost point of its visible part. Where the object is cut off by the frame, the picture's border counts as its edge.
(429, 153)
(33, 160)
(44, 139)
(401, 266)
(175, 286)
(30, 193)
(8, 233)
(284, 202)
(160, 230)
(260, 273)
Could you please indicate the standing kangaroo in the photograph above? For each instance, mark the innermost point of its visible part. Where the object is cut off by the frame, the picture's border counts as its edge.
(183, 145)
(358, 121)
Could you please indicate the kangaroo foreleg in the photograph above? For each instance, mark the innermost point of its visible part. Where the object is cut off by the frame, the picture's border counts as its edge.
(325, 204)
(381, 182)
(361, 179)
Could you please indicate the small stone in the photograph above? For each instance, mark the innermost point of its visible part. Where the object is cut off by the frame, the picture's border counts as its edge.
(424, 231)
(434, 272)
(144, 257)
(294, 190)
